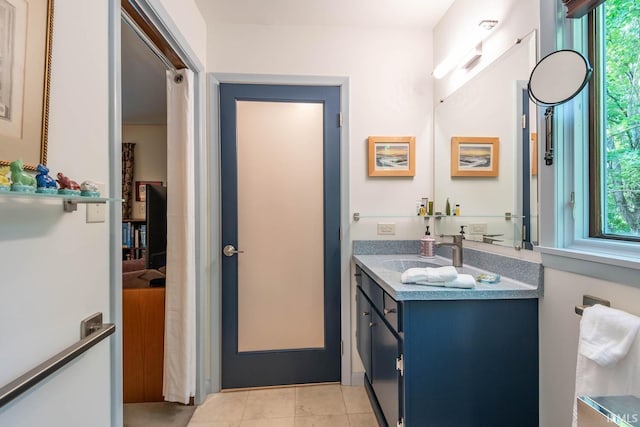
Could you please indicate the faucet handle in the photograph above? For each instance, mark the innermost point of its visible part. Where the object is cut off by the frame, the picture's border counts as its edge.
(462, 230)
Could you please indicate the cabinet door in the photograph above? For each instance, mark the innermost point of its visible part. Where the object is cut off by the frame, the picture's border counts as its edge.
(363, 330)
(386, 377)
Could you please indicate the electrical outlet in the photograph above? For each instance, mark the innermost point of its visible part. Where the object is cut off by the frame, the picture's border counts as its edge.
(478, 228)
(96, 211)
(388, 229)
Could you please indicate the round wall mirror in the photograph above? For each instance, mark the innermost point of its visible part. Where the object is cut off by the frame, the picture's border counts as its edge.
(558, 77)
(555, 79)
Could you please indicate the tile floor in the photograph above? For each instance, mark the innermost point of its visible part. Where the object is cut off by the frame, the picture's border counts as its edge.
(330, 405)
(157, 414)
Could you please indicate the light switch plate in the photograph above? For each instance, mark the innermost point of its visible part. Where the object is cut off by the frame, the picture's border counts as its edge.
(96, 211)
(386, 229)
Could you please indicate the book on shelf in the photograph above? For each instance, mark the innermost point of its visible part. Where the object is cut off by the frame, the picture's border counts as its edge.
(134, 238)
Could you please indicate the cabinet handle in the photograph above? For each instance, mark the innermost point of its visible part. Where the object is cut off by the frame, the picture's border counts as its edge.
(365, 313)
(372, 324)
(387, 311)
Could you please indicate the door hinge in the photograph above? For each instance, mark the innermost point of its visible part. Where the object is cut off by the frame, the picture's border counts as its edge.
(340, 233)
(339, 120)
(400, 423)
(341, 347)
(400, 365)
(524, 121)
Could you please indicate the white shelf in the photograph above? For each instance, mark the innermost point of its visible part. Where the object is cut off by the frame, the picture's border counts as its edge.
(69, 203)
(506, 216)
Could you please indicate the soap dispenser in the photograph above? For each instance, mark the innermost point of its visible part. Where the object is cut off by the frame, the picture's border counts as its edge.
(427, 245)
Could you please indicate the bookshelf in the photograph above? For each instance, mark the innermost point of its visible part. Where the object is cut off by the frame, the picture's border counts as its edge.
(134, 238)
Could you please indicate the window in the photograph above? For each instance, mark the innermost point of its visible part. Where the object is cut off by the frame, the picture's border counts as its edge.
(614, 45)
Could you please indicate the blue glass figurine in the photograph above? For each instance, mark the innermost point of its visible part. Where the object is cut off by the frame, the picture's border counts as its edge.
(46, 184)
(22, 182)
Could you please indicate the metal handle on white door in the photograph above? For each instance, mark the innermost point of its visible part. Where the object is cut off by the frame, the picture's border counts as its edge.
(230, 250)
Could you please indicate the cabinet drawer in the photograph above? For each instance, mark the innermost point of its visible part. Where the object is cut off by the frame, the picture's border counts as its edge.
(391, 312)
(373, 291)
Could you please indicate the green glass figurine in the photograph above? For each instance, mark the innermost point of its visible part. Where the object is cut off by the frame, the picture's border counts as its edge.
(21, 182)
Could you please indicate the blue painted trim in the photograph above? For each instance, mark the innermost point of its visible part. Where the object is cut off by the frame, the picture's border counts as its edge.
(526, 171)
(345, 217)
(271, 368)
(215, 294)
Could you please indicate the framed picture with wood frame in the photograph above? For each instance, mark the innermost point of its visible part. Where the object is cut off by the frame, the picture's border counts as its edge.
(474, 156)
(392, 155)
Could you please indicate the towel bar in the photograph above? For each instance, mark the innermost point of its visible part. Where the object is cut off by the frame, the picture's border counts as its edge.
(93, 331)
(588, 301)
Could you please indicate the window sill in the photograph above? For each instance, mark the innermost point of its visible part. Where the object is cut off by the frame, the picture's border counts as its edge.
(606, 260)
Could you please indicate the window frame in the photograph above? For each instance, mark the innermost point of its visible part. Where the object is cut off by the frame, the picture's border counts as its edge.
(597, 128)
(565, 240)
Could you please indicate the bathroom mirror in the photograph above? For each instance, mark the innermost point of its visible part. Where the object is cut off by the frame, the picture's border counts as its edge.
(493, 104)
(556, 79)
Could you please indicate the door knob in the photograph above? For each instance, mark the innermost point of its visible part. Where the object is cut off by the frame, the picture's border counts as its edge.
(230, 250)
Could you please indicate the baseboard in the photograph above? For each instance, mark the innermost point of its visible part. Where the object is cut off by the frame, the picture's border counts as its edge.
(357, 378)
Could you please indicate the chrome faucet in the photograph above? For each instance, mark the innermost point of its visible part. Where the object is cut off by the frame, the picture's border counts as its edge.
(456, 246)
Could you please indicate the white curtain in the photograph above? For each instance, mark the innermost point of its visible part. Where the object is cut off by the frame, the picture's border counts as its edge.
(180, 333)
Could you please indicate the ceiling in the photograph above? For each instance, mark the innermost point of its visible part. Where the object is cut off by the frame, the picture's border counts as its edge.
(143, 74)
(368, 13)
(144, 94)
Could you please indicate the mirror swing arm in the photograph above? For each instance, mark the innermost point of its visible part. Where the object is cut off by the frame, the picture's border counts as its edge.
(548, 140)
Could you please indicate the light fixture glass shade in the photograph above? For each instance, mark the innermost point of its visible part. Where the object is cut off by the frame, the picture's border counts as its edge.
(488, 24)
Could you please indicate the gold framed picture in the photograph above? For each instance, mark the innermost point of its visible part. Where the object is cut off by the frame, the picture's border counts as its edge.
(474, 156)
(392, 155)
(25, 52)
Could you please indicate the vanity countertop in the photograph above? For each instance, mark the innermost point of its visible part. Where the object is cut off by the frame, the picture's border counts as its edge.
(378, 267)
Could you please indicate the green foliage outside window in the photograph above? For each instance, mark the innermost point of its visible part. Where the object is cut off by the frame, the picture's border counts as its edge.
(622, 103)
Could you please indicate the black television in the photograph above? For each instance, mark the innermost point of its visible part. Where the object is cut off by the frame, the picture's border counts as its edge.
(156, 200)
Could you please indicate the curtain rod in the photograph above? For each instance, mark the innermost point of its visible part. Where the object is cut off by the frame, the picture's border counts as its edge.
(145, 39)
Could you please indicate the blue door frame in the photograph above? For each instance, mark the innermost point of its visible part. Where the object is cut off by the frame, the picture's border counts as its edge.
(298, 366)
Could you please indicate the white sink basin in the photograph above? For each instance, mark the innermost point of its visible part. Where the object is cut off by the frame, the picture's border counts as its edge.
(401, 265)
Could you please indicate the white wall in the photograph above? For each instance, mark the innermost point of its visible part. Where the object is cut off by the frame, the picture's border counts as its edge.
(389, 82)
(55, 267)
(150, 157)
(186, 16)
(559, 330)
(457, 32)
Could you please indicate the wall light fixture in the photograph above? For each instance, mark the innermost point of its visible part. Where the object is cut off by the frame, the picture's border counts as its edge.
(468, 59)
(488, 24)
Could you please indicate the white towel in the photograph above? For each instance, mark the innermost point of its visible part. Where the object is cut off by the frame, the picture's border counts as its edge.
(465, 281)
(608, 354)
(430, 274)
(606, 334)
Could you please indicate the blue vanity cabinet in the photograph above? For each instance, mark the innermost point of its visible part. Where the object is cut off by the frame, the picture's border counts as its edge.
(386, 375)
(363, 329)
(463, 363)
